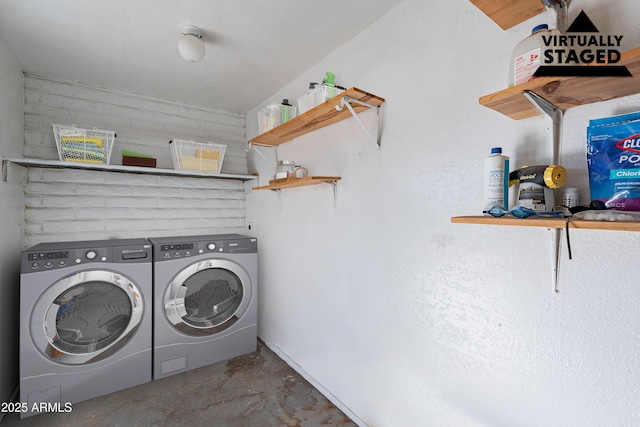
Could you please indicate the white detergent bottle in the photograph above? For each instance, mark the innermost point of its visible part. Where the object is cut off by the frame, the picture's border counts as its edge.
(496, 180)
(529, 54)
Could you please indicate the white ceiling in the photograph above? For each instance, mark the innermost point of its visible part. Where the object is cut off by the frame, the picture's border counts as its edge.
(253, 47)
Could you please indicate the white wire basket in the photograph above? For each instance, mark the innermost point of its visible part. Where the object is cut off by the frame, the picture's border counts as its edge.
(197, 156)
(83, 145)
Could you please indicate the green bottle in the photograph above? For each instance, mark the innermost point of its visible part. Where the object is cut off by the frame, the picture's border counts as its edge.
(285, 107)
(329, 79)
(328, 89)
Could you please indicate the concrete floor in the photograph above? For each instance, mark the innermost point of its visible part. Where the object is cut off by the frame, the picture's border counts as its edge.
(257, 389)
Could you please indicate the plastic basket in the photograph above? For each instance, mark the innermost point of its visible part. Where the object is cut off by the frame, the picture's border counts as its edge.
(307, 101)
(326, 92)
(317, 96)
(197, 156)
(268, 117)
(83, 145)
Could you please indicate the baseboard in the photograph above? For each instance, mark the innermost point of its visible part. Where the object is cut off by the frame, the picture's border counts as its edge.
(326, 393)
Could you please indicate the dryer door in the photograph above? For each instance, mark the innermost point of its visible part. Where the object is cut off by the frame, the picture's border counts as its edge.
(207, 297)
(87, 316)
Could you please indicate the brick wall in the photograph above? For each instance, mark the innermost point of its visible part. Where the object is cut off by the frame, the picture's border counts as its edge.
(71, 204)
(142, 124)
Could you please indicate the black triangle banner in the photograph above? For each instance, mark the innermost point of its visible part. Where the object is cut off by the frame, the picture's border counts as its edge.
(582, 71)
(582, 24)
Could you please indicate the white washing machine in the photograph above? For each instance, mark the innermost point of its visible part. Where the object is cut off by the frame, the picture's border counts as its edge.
(205, 300)
(85, 321)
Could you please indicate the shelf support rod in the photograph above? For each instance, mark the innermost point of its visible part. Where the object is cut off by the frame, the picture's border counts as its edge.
(255, 148)
(559, 10)
(335, 191)
(346, 101)
(556, 115)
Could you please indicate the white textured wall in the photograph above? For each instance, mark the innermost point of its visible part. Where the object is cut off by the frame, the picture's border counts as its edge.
(70, 204)
(409, 320)
(11, 215)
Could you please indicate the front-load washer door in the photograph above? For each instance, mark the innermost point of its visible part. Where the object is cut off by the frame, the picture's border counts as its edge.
(207, 297)
(87, 316)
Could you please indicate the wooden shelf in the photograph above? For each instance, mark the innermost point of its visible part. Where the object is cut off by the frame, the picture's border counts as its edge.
(317, 118)
(300, 182)
(548, 223)
(507, 13)
(567, 92)
(118, 168)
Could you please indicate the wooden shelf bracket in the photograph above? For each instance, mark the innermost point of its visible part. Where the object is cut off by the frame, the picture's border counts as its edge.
(326, 181)
(346, 100)
(301, 182)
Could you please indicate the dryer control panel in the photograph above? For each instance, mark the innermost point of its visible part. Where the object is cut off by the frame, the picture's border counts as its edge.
(166, 250)
(178, 250)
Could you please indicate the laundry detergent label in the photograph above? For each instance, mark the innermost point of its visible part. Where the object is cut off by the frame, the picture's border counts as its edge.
(526, 66)
(613, 159)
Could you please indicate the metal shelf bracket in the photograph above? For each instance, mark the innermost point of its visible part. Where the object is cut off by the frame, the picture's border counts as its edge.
(345, 101)
(556, 116)
(335, 191)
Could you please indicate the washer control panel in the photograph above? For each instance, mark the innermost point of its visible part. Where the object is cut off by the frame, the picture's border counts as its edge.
(51, 256)
(50, 260)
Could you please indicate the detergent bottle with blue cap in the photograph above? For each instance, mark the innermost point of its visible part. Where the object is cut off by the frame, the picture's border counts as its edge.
(529, 54)
(496, 180)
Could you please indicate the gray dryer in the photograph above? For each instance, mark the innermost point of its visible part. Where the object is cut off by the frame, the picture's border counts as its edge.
(205, 300)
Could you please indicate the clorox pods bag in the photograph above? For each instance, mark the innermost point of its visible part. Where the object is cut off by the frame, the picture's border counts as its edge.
(613, 159)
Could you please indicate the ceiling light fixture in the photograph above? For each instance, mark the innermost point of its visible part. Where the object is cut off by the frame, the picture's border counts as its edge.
(191, 44)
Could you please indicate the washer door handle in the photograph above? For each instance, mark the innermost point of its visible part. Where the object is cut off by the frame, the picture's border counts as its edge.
(175, 308)
(180, 307)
